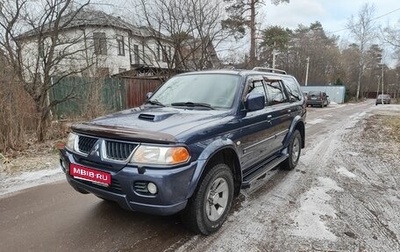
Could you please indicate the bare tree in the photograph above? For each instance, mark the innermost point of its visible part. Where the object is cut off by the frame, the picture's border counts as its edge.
(391, 36)
(191, 27)
(15, 109)
(34, 45)
(363, 30)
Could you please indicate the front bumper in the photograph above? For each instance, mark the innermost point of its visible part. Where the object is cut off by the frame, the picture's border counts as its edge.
(173, 186)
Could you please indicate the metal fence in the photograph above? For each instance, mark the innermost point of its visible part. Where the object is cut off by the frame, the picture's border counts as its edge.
(109, 94)
(78, 93)
(336, 93)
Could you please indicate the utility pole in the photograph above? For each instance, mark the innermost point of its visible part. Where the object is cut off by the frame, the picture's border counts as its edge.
(382, 84)
(308, 65)
(274, 53)
(378, 77)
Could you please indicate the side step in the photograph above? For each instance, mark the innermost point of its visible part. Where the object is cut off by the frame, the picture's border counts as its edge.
(262, 170)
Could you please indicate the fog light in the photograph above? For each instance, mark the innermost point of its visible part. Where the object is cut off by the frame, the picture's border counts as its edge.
(152, 188)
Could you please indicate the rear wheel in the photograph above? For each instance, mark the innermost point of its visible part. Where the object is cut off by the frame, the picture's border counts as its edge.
(294, 150)
(209, 206)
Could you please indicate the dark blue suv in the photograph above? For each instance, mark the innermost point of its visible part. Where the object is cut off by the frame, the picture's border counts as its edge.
(199, 139)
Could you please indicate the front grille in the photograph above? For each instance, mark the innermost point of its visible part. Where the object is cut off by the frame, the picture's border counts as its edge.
(85, 143)
(119, 150)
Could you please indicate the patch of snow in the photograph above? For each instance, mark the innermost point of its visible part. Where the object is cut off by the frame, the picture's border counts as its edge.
(316, 121)
(343, 171)
(314, 207)
(352, 153)
(29, 179)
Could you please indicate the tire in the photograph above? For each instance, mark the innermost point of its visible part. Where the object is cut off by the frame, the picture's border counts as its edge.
(294, 150)
(207, 210)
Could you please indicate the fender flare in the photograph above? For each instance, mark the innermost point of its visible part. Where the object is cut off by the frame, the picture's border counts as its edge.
(205, 156)
(296, 121)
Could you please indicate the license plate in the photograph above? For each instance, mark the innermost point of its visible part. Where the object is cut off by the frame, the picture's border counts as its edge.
(89, 174)
(313, 98)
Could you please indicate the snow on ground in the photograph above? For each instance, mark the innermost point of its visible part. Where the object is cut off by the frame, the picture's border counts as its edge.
(316, 121)
(24, 180)
(314, 204)
(343, 171)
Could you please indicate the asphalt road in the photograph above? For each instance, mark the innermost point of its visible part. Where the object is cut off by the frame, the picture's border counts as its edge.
(54, 217)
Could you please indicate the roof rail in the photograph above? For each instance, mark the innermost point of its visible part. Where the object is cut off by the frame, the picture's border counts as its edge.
(271, 70)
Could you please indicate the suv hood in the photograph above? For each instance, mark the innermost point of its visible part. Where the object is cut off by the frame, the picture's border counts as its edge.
(164, 124)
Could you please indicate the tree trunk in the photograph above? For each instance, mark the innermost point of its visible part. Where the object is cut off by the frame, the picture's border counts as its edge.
(42, 117)
(252, 33)
(358, 86)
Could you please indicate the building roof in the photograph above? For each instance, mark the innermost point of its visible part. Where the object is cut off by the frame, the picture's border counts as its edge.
(91, 18)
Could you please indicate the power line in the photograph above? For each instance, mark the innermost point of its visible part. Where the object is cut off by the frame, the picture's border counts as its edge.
(376, 18)
(390, 12)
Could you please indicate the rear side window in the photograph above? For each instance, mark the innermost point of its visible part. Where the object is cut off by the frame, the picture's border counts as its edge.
(275, 92)
(293, 89)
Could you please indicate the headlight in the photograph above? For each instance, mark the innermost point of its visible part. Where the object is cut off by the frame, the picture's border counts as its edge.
(160, 155)
(71, 141)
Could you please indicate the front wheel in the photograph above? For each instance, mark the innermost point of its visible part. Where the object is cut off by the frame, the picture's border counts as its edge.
(294, 150)
(209, 206)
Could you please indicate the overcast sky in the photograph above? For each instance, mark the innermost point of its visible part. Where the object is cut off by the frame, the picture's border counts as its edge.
(332, 14)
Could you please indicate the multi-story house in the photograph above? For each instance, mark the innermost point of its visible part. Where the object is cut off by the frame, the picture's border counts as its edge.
(95, 43)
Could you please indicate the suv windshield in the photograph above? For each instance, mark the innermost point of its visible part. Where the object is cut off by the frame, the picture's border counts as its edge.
(198, 90)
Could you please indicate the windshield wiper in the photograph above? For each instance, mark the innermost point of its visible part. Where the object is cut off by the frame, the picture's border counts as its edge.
(155, 102)
(192, 104)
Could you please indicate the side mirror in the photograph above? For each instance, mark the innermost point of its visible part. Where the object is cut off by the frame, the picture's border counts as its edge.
(255, 102)
(149, 94)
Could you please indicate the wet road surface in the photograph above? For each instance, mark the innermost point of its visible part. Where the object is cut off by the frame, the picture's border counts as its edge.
(54, 217)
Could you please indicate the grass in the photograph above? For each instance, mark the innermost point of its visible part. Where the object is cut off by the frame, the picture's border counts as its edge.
(393, 125)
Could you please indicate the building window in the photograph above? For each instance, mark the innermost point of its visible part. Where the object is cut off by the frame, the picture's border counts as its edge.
(136, 54)
(158, 53)
(100, 43)
(121, 45)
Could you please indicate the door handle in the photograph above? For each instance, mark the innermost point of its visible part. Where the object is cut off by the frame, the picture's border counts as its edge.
(269, 117)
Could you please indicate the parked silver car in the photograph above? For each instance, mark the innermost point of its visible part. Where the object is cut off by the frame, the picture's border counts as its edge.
(382, 99)
(317, 98)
